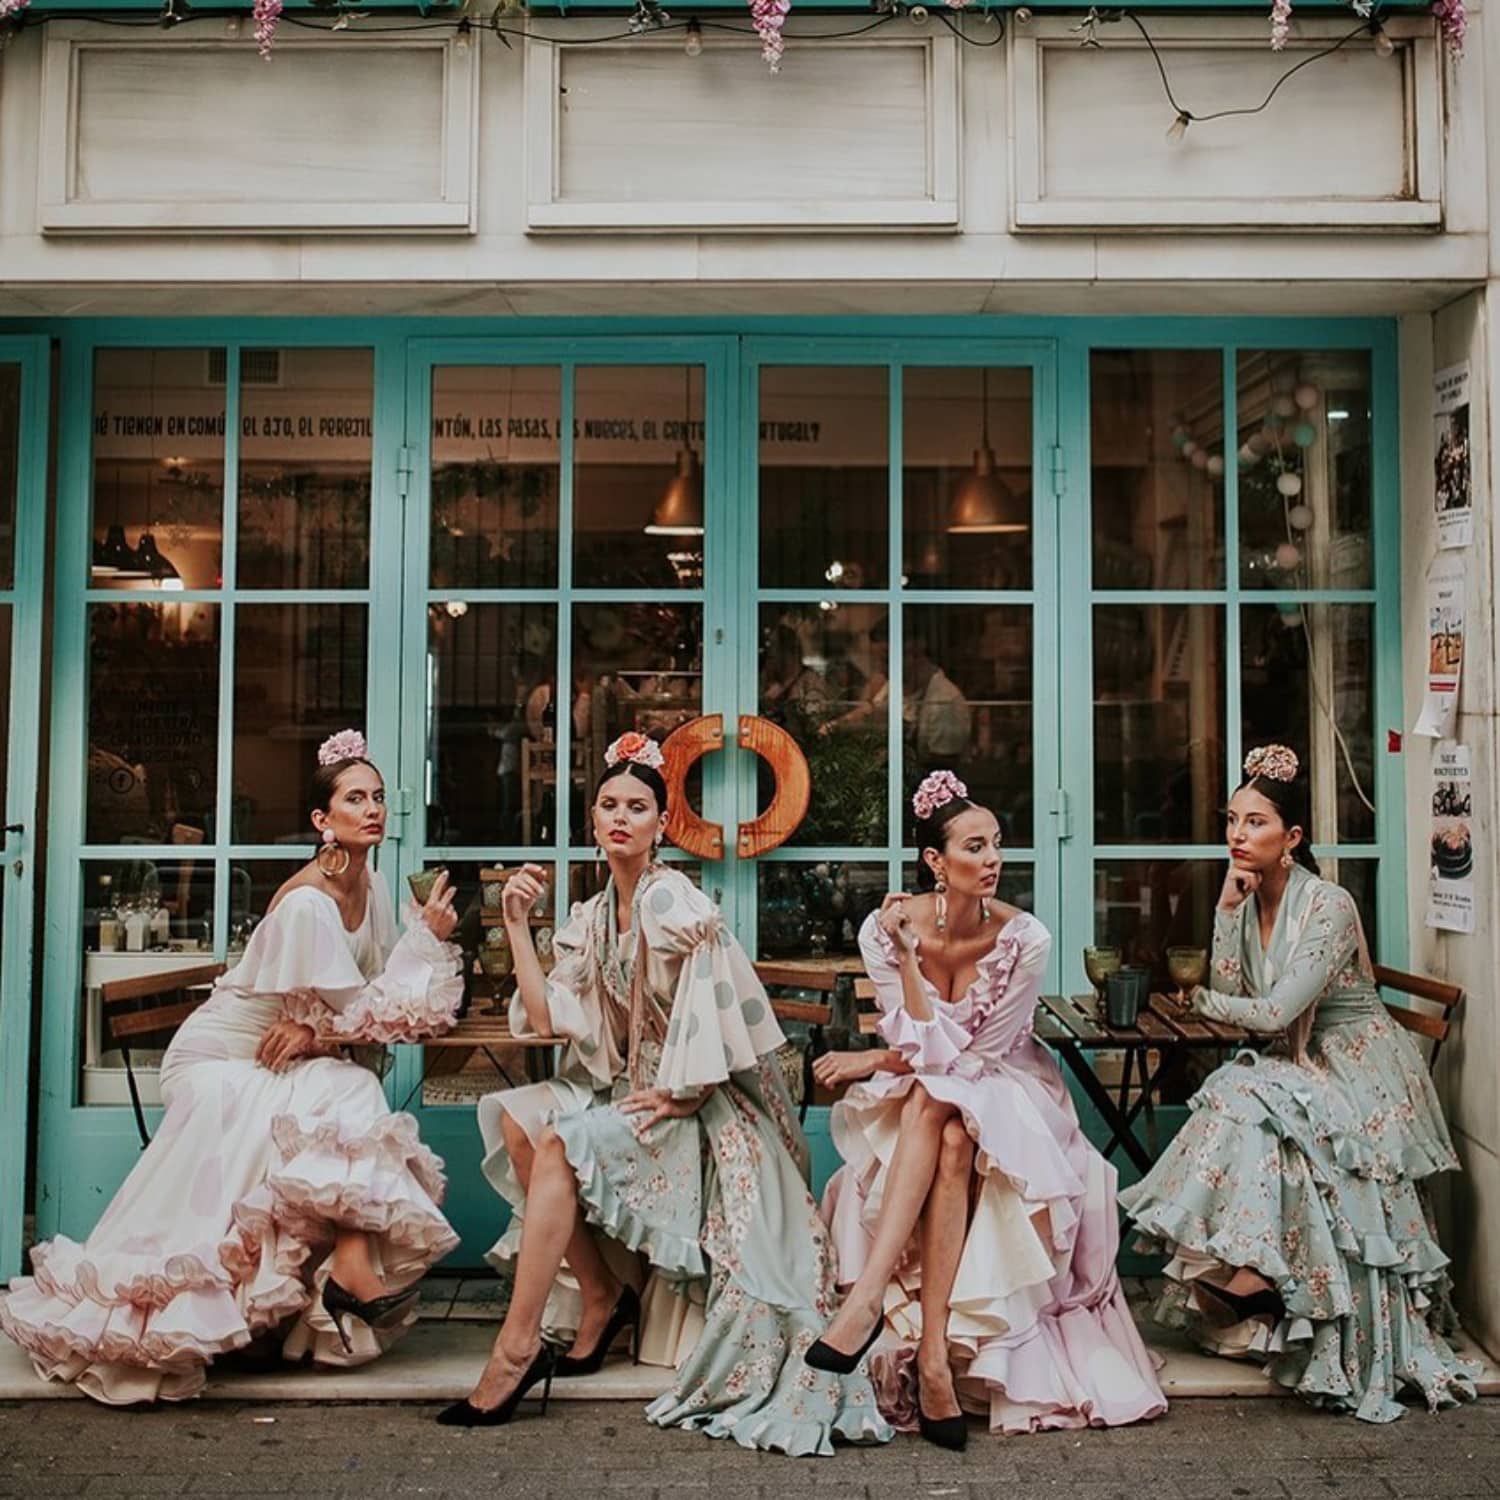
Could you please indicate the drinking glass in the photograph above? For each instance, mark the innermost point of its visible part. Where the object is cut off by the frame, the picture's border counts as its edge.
(1188, 968)
(1099, 964)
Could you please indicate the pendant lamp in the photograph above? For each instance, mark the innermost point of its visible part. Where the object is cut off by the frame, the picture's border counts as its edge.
(984, 504)
(679, 512)
(114, 557)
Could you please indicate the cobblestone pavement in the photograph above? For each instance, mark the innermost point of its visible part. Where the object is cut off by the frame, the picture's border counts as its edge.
(1203, 1450)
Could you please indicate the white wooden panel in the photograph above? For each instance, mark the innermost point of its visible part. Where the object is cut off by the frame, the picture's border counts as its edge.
(640, 136)
(336, 133)
(1353, 141)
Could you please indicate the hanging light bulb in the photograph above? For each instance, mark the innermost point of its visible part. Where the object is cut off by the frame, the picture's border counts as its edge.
(1384, 46)
(679, 512)
(984, 504)
(462, 35)
(692, 41)
(1178, 128)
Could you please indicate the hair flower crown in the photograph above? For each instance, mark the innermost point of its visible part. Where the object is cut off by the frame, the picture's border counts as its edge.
(347, 744)
(1273, 762)
(938, 788)
(636, 748)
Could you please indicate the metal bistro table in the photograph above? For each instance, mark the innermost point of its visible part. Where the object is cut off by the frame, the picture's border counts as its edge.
(1162, 1028)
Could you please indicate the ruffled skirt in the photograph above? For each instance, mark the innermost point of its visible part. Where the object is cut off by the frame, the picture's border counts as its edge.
(218, 1234)
(1311, 1176)
(1038, 1329)
(740, 1266)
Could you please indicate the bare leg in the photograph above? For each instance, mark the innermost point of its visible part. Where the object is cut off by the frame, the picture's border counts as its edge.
(352, 1267)
(552, 1220)
(944, 1225)
(599, 1286)
(1245, 1283)
(907, 1185)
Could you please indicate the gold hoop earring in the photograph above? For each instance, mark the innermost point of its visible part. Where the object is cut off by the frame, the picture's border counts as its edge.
(332, 857)
(940, 890)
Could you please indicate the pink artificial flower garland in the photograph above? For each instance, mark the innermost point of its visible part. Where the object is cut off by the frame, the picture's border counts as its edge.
(769, 17)
(267, 16)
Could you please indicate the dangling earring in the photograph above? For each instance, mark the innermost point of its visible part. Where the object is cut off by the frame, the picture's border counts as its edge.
(333, 858)
(940, 890)
(1286, 859)
(984, 908)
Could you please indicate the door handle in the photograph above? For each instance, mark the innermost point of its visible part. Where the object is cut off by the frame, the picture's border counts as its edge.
(680, 751)
(15, 828)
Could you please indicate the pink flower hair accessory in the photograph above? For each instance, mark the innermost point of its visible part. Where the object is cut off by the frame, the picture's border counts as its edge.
(938, 788)
(1273, 762)
(347, 744)
(637, 748)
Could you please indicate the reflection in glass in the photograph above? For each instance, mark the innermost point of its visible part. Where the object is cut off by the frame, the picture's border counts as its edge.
(1158, 723)
(1158, 456)
(10, 468)
(825, 679)
(491, 773)
(815, 910)
(966, 478)
(140, 917)
(1358, 876)
(635, 667)
(153, 722)
(966, 689)
(496, 467)
(1307, 679)
(253, 884)
(299, 676)
(637, 483)
(1143, 907)
(158, 490)
(824, 486)
(306, 436)
(1305, 459)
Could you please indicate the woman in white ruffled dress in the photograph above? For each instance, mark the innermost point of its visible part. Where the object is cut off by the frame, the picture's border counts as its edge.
(280, 1190)
(975, 1225)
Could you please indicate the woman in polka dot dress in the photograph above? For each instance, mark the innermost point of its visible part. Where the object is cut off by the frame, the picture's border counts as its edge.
(664, 1155)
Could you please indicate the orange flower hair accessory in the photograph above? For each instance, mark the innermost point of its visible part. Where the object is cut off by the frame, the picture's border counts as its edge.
(637, 748)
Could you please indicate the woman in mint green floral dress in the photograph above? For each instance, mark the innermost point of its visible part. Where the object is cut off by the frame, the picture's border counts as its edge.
(666, 1149)
(1292, 1202)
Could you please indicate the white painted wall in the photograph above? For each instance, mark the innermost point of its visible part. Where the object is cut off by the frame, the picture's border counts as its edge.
(625, 139)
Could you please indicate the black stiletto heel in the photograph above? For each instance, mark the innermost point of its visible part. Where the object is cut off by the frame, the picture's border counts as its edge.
(379, 1312)
(1264, 1303)
(465, 1414)
(627, 1313)
(951, 1433)
(823, 1356)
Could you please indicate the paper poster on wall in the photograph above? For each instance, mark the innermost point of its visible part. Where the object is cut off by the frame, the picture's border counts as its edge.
(1445, 646)
(1450, 887)
(1453, 492)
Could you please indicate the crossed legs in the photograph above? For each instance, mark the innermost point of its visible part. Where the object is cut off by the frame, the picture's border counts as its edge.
(927, 1186)
(554, 1231)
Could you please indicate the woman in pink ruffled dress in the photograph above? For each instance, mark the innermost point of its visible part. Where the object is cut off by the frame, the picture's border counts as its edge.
(280, 1189)
(976, 1224)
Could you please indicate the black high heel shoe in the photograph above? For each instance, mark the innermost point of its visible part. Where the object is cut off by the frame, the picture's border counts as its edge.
(947, 1432)
(1264, 1303)
(379, 1312)
(823, 1356)
(465, 1414)
(627, 1313)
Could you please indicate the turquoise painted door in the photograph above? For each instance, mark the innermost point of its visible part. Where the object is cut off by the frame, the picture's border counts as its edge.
(854, 539)
(23, 511)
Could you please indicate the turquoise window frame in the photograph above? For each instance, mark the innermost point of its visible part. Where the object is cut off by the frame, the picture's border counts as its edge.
(84, 1151)
(24, 600)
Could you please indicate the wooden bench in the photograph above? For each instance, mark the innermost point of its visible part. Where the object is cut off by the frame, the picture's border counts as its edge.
(1420, 987)
(176, 995)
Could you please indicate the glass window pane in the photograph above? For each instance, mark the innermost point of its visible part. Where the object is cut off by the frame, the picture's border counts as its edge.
(1143, 907)
(635, 666)
(306, 436)
(1308, 680)
(638, 501)
(140, 918)
(1358, 877)
(153, 722)
(1157, 426)
(824, 678)
(10, 468)
(158, 469)
(491, 672)
(967, 705)
(824, 477)
(496, 476)
(815, 910)
(1305, 462)
(1158, 723)
(253, 884)
(966, 478)
(1017, 882)
(299, 675)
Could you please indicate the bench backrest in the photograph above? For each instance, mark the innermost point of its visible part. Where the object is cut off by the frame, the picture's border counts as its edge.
(127, 1020)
